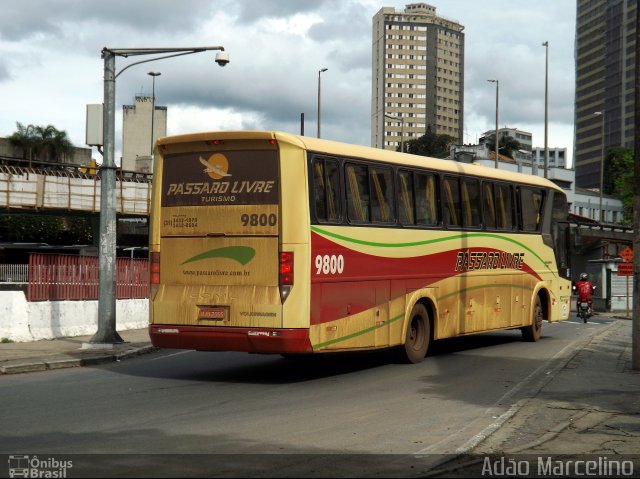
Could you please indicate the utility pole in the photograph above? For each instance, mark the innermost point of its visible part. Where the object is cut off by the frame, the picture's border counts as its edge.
(635, 333)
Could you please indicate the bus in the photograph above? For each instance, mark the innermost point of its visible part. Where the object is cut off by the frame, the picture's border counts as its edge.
(270, 242)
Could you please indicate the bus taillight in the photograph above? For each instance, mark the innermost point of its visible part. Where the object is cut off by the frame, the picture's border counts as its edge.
(285, 274)
(154, 265)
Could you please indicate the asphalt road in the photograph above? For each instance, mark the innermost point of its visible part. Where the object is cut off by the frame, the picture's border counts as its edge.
(342, 406)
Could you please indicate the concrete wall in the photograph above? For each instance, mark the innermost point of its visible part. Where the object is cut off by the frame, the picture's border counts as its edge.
(22, 321)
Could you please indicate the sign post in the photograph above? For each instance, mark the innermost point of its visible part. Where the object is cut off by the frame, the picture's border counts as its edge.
(626, 269)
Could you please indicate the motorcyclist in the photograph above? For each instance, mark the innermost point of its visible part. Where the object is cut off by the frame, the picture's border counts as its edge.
(583, 289)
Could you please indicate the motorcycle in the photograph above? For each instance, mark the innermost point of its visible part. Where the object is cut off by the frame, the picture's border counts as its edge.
(584, 310)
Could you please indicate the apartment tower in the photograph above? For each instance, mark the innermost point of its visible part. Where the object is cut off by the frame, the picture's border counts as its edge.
(417, 75)
(604, 104)
(137, 137)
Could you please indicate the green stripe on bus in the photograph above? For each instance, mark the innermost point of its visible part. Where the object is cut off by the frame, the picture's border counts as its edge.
(400, 316)
(358, 333)
(431, 241)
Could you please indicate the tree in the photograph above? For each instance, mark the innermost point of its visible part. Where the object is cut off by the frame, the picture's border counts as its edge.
(619, 178)
(507, 144)
(24, 138)
(55, 144)
(430, 144)
(44, 143)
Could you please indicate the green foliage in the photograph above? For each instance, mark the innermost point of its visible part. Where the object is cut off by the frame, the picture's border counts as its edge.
(44, 143)
(430, 144)
(619, 179)
(507, 144)
(53, 230)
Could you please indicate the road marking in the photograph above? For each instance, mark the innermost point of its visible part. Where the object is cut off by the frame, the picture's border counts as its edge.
(171, 355)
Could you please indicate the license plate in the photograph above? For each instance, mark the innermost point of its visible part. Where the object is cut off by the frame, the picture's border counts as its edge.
(584, 305)
(212, 313)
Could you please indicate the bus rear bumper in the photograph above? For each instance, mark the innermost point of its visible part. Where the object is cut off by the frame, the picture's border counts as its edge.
(251, 340)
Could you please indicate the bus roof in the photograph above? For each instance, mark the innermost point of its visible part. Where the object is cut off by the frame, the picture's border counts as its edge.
(331, 147)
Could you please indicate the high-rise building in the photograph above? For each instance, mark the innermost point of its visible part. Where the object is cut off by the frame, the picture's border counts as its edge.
(137, 137)
(417, 75)
(605, 63)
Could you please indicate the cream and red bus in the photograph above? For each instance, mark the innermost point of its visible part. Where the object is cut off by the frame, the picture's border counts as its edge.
(270, 242)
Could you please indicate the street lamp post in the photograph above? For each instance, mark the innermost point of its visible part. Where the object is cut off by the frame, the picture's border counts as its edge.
(153, 105)
(601, 113)
(497, 82)
(319, 72)
(107, 336)
(546, 110)
(401, 120)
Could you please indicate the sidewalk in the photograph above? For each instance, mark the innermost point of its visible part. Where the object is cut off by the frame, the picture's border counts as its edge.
(589, 405)
(68, 353)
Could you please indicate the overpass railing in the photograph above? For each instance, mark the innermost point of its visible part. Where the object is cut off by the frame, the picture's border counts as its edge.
(65, 187)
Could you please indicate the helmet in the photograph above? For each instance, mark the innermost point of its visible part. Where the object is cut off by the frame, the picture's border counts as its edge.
(584, 276)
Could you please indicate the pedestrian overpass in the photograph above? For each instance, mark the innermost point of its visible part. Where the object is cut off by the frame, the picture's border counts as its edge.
(68, 189)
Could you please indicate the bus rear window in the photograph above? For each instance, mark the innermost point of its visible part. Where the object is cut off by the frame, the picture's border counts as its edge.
(220, 178)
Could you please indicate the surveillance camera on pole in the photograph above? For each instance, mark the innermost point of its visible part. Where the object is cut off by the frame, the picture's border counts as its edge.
(222, 58)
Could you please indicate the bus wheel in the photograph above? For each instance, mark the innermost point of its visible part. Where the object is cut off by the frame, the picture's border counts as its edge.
(418, 335)
(532, 333)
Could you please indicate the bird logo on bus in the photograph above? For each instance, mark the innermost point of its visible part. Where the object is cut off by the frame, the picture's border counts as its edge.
(216, 166)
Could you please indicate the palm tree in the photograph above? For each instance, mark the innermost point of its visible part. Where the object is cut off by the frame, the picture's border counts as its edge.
(55, 144)
(507, 144)
(45, 143)
(24, 138)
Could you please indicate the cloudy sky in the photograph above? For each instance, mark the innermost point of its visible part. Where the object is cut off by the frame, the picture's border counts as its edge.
(50, 63)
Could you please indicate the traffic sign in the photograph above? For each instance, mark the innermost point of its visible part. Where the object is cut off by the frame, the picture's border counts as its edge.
(627, 254)
(625, 269)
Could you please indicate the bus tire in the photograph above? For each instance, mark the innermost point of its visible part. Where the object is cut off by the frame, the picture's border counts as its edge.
(416, 341)
(532, 333)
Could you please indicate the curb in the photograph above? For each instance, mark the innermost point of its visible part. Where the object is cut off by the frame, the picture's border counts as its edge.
(36, 365)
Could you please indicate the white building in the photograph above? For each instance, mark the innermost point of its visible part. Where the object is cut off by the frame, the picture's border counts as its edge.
(582, 202)
(557, 157)
(137, 138)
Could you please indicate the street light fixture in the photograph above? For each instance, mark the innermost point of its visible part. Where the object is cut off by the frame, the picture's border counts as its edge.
(153, 105)
(601, 113)
(497, 82)
(546, 110)
(401, 120)
(107, 336)
(319, 72)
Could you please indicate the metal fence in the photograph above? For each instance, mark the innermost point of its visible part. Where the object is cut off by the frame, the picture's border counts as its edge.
(54, 277)
(14, 273)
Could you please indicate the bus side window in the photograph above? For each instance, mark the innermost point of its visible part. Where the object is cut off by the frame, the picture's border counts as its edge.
(471, 203)
(489, 206)
(334, 203)
(426, 200)
(326, 179)
(319, 189)
(407, 214)
(504, 201)
(452, 210)
(357, 193)
(531, 204)
(382, 208)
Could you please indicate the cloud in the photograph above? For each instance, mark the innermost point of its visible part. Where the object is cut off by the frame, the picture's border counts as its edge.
(50, 64)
